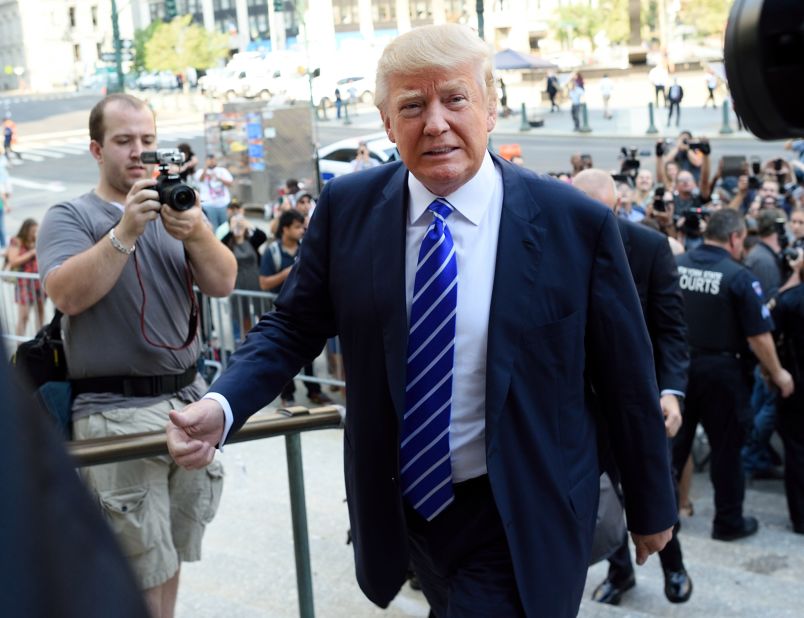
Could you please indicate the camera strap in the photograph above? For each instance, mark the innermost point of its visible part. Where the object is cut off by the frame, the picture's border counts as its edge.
(192, 326)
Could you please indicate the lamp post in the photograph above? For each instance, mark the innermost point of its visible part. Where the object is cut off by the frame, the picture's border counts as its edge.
(118, 49)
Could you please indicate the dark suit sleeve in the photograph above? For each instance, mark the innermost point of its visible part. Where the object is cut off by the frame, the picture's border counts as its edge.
(621, 371)
(666, 323)
(289, 337)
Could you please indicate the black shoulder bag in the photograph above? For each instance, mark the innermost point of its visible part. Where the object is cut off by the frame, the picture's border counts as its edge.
(42, 366)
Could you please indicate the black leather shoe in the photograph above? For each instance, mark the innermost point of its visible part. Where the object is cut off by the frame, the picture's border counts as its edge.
(749, 527)
(677, 586)
(611, 592)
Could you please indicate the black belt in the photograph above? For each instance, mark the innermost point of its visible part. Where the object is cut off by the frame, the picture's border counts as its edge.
(135, 386)
(695, 352)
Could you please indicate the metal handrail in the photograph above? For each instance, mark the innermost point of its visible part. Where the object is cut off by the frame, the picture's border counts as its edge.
(112, 449)
(287, 421)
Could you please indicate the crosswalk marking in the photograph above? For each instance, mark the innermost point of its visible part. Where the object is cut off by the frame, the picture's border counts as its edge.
(38, 151)
(42, 153)
(67, 149)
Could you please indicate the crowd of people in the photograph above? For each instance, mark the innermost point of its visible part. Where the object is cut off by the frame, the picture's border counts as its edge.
(752, 212)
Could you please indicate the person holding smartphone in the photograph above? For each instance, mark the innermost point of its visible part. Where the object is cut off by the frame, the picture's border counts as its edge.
(363, 159)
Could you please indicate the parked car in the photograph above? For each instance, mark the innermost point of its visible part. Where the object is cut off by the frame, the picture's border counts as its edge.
(157, 80)
(297, 89)
(336, 158)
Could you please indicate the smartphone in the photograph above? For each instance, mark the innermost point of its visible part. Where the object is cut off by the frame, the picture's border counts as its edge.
(658, 199)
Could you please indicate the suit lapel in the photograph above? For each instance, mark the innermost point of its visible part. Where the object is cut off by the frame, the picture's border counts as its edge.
(519, 253)
(388, 225)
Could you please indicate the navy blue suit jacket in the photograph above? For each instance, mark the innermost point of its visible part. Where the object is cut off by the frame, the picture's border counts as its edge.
(564, 316)
(656, 277)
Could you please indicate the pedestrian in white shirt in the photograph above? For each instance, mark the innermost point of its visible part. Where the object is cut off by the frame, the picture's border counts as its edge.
(659, 77)
(606, 89)
(213, 183)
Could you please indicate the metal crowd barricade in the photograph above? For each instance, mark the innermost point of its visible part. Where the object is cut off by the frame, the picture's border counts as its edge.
(289, 423)
(224, 321)
(21, 295)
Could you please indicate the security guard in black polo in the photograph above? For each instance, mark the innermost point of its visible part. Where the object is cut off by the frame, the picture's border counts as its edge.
(725, 315)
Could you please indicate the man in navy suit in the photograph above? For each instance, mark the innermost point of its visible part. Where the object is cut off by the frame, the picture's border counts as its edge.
(533, 335)
(656, 277)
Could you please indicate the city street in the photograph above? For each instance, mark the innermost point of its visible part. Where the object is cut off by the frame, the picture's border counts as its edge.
(53, 141)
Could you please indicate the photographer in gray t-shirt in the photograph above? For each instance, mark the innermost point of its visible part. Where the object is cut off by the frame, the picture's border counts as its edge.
(120, 265)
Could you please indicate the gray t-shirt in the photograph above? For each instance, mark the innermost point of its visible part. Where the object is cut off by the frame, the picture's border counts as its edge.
(107, 339)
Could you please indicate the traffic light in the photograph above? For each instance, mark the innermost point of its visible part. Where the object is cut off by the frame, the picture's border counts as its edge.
(170, 10)
(279, 6)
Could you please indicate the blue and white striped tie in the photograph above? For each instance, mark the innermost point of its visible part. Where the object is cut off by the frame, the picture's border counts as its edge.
(424, 460)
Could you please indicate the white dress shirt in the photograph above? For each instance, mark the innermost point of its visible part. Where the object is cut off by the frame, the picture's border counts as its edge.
(475, 227)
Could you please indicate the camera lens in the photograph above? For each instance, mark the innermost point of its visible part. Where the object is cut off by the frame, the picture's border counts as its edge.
(181, 198)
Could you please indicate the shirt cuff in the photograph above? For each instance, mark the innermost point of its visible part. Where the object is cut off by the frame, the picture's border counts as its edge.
(228, 417)
(670, 391)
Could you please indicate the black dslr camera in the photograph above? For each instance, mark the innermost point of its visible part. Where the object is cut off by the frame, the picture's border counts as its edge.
(702, 147)
(172, 191)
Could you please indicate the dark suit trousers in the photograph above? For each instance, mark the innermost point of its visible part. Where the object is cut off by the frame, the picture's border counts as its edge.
(462, 557)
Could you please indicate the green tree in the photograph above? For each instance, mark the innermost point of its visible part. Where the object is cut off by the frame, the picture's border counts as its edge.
(616, 23)
(584, 21)
(578, 20)
(706, 16)
(179, 44)
(141, 37)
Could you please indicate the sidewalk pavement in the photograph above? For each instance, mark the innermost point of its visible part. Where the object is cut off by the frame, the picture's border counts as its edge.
(248, 568)
(629, 107)
(627, 122)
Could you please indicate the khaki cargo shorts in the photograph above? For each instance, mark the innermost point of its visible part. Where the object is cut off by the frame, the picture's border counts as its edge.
(157, 510)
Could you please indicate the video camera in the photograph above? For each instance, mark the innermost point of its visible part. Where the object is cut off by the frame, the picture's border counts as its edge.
(172, 191)
(764, 64)
(630, 164)
(692, 220)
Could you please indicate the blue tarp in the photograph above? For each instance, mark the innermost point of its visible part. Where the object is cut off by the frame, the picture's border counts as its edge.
(510, 59)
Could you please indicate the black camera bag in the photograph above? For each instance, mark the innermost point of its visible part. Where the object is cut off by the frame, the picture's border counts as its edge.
(42, 359)
(41, 366)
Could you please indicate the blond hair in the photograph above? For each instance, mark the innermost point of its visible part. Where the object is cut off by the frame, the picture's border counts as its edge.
(443, 46)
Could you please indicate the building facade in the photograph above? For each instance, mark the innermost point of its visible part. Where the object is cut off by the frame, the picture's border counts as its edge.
(48, 44)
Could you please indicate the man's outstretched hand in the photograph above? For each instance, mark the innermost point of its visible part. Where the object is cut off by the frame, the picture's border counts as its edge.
(647, 544)
(194, 432)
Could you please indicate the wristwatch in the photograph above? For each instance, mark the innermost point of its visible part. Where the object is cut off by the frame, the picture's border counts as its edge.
(120, 246)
